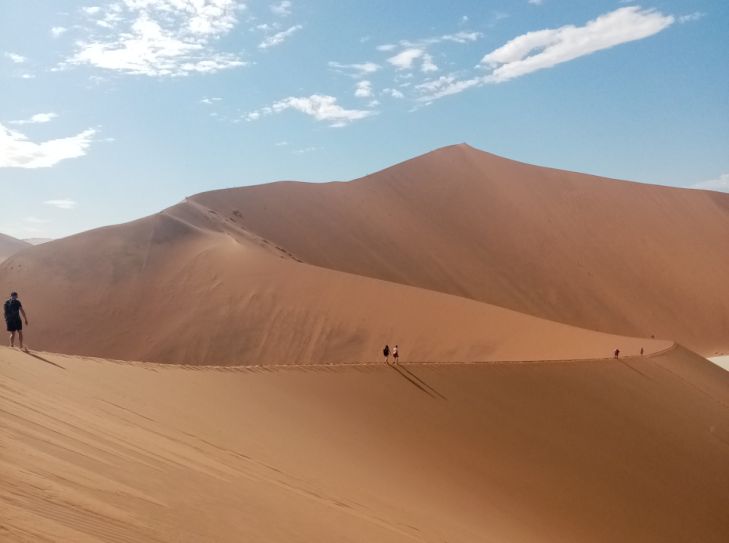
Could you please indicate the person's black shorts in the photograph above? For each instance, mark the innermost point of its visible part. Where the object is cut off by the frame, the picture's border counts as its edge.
(15, 325)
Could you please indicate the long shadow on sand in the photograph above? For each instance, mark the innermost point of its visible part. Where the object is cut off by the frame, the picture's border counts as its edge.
(417, 382)
(44, 360)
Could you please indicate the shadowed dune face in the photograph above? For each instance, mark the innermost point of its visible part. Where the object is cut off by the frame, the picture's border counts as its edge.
(9, 246)
(566, 452)
(614, 256)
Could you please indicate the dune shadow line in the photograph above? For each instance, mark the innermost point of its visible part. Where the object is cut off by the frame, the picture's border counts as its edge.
(417, 382)
(44, 360)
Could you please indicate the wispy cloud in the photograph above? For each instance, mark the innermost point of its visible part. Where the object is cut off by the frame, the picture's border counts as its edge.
(15, 57)
(546, 48)
(57, 31)
(17, 151)
(404, 59)
(355, 70)
(721, 183)
(363, 89)
(63, 203)
(282, 9)
(210, 101)
(279, 37)
(161, 37)
(691, 17)
(536, 2)
(393, 92)
(38, 118)
(321, 107)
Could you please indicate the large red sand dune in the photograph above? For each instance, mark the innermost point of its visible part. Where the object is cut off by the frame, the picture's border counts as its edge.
(562, 452)
(187, 286)
(615, 256)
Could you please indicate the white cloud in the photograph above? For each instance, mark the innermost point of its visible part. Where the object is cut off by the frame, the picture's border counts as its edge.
(38, 118)
(161, 37)
(210, 101)
(721, 183)
(91, 10)
(428, 65)
(304, 150)
(321, 107)
(56, 31)
(445, 86)
(15, 57)
(279, 37)
(363, 89)
(282, 9)
(404, 59)
(17, 151)
(695, 16)
(63, 203)
(546, 48)
(536, 2)
(355, 70)
(27, 76)
(393, 92)
(36, 220)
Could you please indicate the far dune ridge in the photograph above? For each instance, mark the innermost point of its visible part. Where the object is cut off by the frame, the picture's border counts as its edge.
(10, 245)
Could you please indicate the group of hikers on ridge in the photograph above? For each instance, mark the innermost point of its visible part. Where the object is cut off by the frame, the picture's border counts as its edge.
(395, 354)
(13, 310)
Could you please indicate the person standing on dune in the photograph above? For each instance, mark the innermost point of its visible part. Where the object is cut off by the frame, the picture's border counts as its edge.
(13, 310)
(386, 352)
(395, 354)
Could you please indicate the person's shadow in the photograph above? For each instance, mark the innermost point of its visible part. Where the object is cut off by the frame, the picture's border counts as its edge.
(417, 381)
(38, 357)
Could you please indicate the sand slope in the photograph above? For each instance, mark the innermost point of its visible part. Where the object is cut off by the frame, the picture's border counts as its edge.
(599, 451)
(9, 246)
(615, 256)
(189, 286)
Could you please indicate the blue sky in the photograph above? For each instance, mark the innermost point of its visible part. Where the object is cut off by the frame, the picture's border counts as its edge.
(114, 110)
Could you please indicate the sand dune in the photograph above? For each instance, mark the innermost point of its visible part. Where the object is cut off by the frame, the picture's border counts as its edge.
(308, 273)
(9, 246)
(598, 451)
(189, 286)
(615, 256)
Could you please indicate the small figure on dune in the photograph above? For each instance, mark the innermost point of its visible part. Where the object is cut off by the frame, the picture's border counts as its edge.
(386, 352)
(13, 310)
(641, 351)
(617, 354)
(395, 354)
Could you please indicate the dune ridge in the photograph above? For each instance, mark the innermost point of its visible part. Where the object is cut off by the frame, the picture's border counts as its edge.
(10, 245)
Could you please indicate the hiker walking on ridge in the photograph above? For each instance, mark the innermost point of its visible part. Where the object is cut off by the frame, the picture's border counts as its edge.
(386, 352)
(395, 354)
(617, 354)
(13, 310)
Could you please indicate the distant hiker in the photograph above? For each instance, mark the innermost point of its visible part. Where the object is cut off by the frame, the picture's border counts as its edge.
(617, 354)
(395, 355)
(13, 310)
(641, 351)
(386, 352)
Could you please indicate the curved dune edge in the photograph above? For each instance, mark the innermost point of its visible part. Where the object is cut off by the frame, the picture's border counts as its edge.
(186, 287)
(632, 450)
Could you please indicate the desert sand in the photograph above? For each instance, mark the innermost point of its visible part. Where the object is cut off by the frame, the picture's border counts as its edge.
(223, 380)
(594, 450)
(9, 246)
(419, 254)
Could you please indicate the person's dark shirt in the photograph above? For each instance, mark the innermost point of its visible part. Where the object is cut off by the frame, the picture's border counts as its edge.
(12, 309)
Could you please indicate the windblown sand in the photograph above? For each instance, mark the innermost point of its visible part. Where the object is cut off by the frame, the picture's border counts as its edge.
(597, 450)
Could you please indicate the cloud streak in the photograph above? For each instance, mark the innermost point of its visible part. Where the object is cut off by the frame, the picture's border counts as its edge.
(279, 37)
(38, 118)
(322, 108)
(17, 151)
(543, 49)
